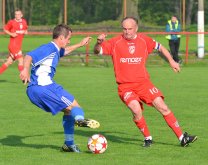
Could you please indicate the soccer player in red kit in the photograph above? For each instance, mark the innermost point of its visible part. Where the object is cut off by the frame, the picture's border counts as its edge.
(129, 53)
(16, 29)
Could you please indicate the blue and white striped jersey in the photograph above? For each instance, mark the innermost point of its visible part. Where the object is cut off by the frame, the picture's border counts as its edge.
(44, 62)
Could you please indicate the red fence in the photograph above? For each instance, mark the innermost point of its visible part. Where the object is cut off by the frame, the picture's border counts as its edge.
(187, 34)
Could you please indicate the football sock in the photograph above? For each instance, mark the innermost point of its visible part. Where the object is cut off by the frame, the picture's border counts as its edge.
(3, 68)
(181, 137)
(173, 124)
(20, 67)
(68, 124)
(141, 124)
(77, 113)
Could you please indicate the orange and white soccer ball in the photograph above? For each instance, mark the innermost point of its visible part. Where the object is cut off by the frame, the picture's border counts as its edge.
(97, 144)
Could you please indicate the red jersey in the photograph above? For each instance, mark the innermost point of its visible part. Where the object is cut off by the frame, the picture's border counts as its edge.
(19, 28)
(129, 57)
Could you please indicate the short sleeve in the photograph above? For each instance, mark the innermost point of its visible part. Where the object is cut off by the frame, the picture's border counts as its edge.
(62, 51)
(8, 26)
(151, 44)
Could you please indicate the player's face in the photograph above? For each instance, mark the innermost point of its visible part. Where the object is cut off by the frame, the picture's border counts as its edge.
(18, 15)
(129, 29)
(65, 41)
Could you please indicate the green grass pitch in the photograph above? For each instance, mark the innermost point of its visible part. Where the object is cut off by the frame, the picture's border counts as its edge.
(29, 136)
(31, 42)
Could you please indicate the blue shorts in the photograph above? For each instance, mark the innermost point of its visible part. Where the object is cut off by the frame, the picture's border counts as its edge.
(51, 98)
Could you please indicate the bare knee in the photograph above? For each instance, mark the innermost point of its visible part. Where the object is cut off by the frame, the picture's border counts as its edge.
(69, 108)
(9, 61)
(160, 105)
(164, 110)
(136, 109)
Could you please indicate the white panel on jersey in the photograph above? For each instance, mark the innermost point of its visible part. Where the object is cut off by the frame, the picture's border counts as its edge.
(43, 73)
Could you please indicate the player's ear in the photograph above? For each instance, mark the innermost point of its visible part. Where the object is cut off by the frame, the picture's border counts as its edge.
(137, 28)
(61, 37)
(21, 14)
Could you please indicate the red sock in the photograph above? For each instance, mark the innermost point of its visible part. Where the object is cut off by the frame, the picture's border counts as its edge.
(20, 67)
(173, 124)
(3, 68)
(141, 124)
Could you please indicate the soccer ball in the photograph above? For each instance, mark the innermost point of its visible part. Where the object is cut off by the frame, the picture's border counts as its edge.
(97, 144)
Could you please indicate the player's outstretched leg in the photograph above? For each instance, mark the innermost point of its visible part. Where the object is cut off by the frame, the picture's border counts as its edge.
(87, 123)
(188, 139)
(3, 68)
(80, 121)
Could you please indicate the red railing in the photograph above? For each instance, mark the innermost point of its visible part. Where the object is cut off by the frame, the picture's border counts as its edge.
(187, 34)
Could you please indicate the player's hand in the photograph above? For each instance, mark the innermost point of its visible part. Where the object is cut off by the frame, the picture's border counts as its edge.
(24, 76)
(101, 38)
(25, 32)
(14, 34)
(175, 66)
(85, 41)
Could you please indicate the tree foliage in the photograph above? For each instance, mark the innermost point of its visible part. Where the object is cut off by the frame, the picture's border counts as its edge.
(50, 12)
(90, 11)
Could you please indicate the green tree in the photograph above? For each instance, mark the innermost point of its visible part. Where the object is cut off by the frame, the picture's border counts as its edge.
(89, 11)
(154, 12)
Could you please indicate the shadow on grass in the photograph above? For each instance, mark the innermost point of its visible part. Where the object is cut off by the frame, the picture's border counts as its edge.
(17, 141)
(115, 137)
(2, 81)
(119, 137)
(6, 81)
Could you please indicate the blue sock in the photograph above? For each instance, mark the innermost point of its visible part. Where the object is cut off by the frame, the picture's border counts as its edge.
(68, 124)
(77, 113)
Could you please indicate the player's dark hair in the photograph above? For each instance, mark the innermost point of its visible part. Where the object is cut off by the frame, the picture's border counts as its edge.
(133, 18)
(61, 29)
(17, 9)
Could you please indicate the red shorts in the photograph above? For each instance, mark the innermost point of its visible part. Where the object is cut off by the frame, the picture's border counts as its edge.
(143, 91)
(15, 56)
(15, 50)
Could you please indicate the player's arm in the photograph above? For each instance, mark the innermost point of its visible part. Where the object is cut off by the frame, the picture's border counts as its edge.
(24, 74)
(100, 39)
(26, 28)
(174, 65)
(26, 32)
(10, 33)
(71, 48)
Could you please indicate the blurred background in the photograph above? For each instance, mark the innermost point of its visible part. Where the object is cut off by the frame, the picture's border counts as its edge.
(87, 15)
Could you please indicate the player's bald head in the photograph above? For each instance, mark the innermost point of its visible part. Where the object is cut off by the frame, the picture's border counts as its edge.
(131, 19)
(130, 27)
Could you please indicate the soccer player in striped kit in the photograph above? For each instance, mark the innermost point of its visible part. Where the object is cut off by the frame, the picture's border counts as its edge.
(45, 93)
(129, 53)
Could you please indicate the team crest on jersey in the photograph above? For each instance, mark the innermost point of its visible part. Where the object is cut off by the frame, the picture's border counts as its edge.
(21, 26)
(131, 49)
